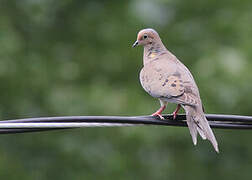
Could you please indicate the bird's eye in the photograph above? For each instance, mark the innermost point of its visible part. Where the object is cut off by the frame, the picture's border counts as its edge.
(145, 36)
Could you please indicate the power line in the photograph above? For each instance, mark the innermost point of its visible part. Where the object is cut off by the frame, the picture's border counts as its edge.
(69, 122)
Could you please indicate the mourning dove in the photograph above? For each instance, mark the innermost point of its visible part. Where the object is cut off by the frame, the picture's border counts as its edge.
(164, 77)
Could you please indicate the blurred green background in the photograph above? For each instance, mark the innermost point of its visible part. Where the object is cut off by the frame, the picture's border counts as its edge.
(60, 58)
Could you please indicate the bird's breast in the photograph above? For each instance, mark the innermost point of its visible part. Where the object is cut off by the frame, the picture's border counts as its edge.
(154, 79)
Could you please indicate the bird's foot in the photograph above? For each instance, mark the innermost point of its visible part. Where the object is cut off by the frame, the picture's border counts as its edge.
(174, 115)
(176, 111)
(158, 113)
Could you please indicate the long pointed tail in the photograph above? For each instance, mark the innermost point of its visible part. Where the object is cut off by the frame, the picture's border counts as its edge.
(197, 123)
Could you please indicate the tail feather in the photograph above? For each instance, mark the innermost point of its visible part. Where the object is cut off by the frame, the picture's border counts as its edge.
(197, 123)
(193, 129)
(201, 133)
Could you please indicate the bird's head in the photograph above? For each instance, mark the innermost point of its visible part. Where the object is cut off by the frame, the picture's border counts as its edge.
(146, 37)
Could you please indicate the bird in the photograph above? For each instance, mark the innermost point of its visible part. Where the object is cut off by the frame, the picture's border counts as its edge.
(164, 77)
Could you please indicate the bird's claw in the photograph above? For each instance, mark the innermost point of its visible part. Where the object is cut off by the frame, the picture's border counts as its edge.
(159, 115)
(158, 112)
(176, 111)
(174, 115)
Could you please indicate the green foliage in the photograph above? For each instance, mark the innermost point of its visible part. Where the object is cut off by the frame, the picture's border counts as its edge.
(67, 57)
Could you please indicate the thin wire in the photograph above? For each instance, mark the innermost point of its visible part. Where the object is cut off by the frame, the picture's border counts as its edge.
(60, 125)
(69, 122)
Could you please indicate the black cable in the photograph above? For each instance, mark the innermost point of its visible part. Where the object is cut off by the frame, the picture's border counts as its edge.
(215, 121)
(25, 130)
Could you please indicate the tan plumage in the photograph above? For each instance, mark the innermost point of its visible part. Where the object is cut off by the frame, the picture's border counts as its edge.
(166, 78)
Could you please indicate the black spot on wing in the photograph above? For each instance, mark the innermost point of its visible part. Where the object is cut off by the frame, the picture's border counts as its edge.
(151, 48)
(177, 74)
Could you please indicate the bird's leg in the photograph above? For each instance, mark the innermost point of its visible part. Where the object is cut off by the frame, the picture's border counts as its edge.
(159, 112)
(176, 111)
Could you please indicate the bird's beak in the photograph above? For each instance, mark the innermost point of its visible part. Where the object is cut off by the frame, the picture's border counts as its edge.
(135, 44)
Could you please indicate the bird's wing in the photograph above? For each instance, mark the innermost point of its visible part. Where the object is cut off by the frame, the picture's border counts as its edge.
(167, 80)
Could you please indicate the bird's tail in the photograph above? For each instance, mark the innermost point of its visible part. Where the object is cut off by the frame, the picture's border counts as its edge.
(197, 123)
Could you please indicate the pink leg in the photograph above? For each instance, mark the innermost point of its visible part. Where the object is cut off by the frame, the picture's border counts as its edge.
(159, 112)
(176, 111)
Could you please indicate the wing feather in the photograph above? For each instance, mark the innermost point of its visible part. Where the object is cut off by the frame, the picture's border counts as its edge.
(167, 80)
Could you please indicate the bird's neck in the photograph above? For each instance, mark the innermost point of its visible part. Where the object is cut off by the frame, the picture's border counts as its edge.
(152, 51)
